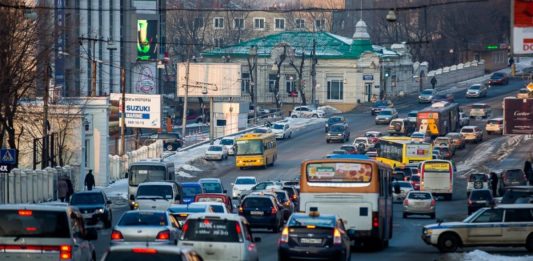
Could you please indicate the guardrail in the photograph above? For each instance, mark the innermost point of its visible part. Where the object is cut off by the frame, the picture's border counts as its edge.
(31, 186)
(119, 165)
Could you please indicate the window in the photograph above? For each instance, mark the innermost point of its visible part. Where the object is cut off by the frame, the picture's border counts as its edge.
(238, 23)
(299, 23)
(290, 84)
(335, 89)
(259, 23)
(279, 23)
(272, 82)
(219, 42)
(245, 82)
(218, 22)
(198, 22)
(320, 25)
(490, 216)
(519, 215)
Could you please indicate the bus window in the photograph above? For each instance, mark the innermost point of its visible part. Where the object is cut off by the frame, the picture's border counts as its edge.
(140, 174)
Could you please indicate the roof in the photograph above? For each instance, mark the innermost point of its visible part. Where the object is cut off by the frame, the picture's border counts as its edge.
(328, 46)
(348, 156)
(190, 184)
(209, 179)
(158, 183)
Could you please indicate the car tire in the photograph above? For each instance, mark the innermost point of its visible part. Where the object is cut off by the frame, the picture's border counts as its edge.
(315, 116)
(294, 116)
(529, 243)
(448, 242)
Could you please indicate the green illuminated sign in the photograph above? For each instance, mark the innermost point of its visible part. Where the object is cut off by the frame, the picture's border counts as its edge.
(492, 47)
(146, 40)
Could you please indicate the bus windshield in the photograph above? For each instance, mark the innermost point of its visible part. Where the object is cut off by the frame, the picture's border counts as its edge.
(140, 174)
(334, 172)
(249, 147)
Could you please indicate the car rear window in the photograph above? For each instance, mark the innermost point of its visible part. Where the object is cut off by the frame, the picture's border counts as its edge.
(415, 178)
(210, 199)
(478, 177)
(495, 121)
(245, 181)
(289, 191)
(260, 203)
(334, 120)
(87, 199)
(227, 142)
(212, 187)
(35, 224)
(480, 195)
(141, 255)
(419, 195)
(467, 130)
(191, 191)
(298, 221)
(212, 230)
(143, 219)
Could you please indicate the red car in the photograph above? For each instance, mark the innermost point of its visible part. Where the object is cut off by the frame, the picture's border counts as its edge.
(415, 182)
(498, 79)
(208, 197)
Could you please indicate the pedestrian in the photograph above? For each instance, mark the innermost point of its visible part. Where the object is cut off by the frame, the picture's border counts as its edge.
(494, 183)
(70, 188)
(62, 189)
(89, 180)
(528, 170)
(433, 82)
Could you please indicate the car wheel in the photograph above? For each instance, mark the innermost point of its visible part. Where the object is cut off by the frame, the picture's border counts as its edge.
(315, 115)
(169, 147)
(529, 243)
(448, 243)
(294, 116)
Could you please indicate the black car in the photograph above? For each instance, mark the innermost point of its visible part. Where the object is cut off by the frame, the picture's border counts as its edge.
(338, 132)
(511, 177)
(94, 207)
(518, 195)
(334, 120)
(171, 140)
(314, 235)
(479, 198)
(262, 211)
(379, 105)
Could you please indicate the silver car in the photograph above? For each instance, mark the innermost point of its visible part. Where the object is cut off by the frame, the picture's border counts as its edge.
(219, 237)
(426, 96)
(385, 116)
(156, 227)
(476, 90)
(419, 203)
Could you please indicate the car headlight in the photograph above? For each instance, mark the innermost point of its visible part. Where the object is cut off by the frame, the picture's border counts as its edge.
(340, 134)
(135, 205)
(428, 232)
(329, 134)
(100, 210)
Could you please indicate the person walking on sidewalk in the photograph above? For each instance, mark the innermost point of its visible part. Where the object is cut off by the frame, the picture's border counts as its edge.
(494, 183)
(62, 189)
(528, 170)
(433, 82)
(89, 180)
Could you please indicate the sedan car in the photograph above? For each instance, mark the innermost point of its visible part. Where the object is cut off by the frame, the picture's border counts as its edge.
(334, 120)
(494, 126)
(307, 112)
(457, 140)
(380, 105)
(143, 253)
(216, 152)
(476, 91)
(426, 96)
(316, 235)
(94, 207)
(156, 227)
(385, 116)
(472, 133)
(242, 184)
(499, 78)
(479, 198)
(338, 132)
(419, 203)
(349, 149)
(510, 178)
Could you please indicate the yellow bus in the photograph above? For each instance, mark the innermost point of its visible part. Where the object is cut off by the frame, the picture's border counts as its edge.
(357, 189)
(256, 150)
(399, 151)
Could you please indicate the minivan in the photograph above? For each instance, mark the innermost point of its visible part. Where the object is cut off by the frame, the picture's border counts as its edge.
(158, 195)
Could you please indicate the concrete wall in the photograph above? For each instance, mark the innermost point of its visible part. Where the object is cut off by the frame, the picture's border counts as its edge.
(456, 73)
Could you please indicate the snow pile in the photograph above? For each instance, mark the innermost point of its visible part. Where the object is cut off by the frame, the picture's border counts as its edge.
(117, 192)
(189, 167)
(299, 123)
(184, 174)
(478, 255)
(482, 152)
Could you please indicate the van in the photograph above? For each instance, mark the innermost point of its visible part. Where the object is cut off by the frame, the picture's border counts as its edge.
(44, 232)
(158, 195)
(148, 170)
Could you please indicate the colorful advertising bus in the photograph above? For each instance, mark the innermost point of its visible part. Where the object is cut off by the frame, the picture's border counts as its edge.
(439, 119)
(256, 150)
(399, 151)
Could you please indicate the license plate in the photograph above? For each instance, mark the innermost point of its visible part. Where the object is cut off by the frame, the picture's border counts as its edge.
(87, 216)
(310, 240)
(256, 213)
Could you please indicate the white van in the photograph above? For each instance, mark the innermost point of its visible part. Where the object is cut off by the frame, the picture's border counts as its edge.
(157, 195)
(436, 176)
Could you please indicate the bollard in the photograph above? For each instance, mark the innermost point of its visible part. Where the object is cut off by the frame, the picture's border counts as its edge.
(39, 185)
(52, 176)
(34, 182)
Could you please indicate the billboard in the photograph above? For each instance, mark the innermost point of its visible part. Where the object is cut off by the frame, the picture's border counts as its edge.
(418, 150)
(209, 80)
(518, 116)
(146, 40)
(145, 78)
(522, 27)
(142, 110)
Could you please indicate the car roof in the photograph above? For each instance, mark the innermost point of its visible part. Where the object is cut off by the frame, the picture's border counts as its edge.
(469, 127)
(479, 104)
(212, 195)
(246, 177)
(37, 207)
(190, 184)
(89, 192)
(158, 183)
(306, 215)
(222, 216)
(209, 179)
(522, 205)
(496, 119)
(207, 203)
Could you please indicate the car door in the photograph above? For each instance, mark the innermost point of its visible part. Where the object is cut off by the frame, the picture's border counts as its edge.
(487, 228)
(518, 222)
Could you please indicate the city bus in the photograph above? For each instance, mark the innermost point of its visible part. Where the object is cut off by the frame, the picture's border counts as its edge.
(256, 150)
(436, 176)
(399, 151)
(147, 171)
(354, 187)
(438, 119)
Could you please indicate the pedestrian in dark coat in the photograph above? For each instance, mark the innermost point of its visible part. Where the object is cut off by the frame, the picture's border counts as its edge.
(494, 183)
(433, 82)
(70, 188)
(528, 170)
(89, 180)
(62, 189)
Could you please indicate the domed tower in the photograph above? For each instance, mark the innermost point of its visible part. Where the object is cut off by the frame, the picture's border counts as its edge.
(361, 39)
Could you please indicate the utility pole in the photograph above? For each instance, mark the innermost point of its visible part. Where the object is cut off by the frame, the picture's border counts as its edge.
(44, 154)
(93, 69)
(123, 112)
(184, 116)
(313, 72)
(211, 120)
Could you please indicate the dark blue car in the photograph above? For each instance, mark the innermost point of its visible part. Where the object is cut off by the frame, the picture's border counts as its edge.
(190, 190)
(262, 211)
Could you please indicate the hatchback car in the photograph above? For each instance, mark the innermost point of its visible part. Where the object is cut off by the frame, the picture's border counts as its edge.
(171, 140)
(338, 132)
(494, 126)
(457, 140)
(150, 252)
(318, 235)
(242, 184)
(334, 120)
(472, 133)
(142, 226)
(220, 237)
(262, 211)
(94, 207)
(499, 78)
(479, 198)
(477, 181)
(426, 96)
(476, 91)
(385, 116)
(212, 185)
(419, 203)
(216, 152)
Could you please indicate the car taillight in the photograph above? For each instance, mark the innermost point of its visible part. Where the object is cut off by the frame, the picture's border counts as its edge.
(284, 235)
(274, 210)
(405, 202)
(65, 252)
(25, 213)
(241, 210)
(433, 202)
(375, 219)
(116, 235)
(337, 237)
(287, 203)
(163, 235)
(294, 197)
(144, 250)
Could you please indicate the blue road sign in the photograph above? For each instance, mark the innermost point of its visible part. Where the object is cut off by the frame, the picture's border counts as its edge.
(8, 156)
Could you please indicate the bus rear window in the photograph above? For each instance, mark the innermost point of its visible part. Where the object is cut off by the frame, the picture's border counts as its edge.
(140, 174)
(339, 172)
(35, 224)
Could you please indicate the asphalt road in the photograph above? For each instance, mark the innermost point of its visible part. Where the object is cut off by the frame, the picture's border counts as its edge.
(309, 143)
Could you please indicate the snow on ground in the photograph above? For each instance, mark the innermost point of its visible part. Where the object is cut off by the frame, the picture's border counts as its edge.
(190, 168)
(481, 154)
(329, 109)
(478, 255)
(184, 174)
(117, 192)
(509, 146)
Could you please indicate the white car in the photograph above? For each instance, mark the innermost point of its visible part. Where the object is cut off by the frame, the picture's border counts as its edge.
(282, 130)
(217, 207)
(420, 137)
(219, 237)
(307, 112)
(216, 152)
(365, 141)
(494, 125)
(242, 184)
(229, 144)
(157, 195)
(412, 115)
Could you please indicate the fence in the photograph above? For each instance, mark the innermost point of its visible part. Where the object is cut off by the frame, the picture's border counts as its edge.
(118, 165)
(456, 73)
(31, 186)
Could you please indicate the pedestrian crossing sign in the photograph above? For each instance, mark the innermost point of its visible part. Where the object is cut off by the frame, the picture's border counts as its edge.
(8, 156)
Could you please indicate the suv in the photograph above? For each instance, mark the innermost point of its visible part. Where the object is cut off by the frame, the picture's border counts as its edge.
(334, 120)
(262, 211)
(503, 225)
(219, 237)
(171, 141)
(479, 198)
(306, 112)
(402, 127)
(338, 132)
(480, 110)
(380, 105)
(445, 142)
(47, 232)
(282, 130)
(386, 116)
(94, 206)
(477, 181)
(494, 126)
(472, 133)
(518, 195)
(212, 185)
(511, 177)
(158, 195)
(457, 139)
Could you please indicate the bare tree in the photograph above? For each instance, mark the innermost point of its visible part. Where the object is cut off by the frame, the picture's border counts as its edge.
(299, 68)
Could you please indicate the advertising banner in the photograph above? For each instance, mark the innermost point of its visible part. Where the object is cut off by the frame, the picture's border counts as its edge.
(209, 80)
(145, 78)
(522, 27)
(518, 116)
(418, 150)
(146, 40)
(142, 110)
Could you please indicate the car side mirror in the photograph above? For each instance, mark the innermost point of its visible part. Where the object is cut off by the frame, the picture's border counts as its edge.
(257, 239)
(91, 234)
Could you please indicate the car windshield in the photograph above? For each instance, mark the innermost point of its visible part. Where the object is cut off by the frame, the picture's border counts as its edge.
(215, 148)
(140, 174)
(154, 191)
(427, 92)
(385, 112)
(249, 147)
(419, 195)
(324, 222)
(495, 122)
(478, 177)
(87, 199)
(259, 203)
(337, 128)
(282, 196)
(475, 87)
(245, 181)
(334, 120)
(278, 126)
(260, 130)
(479, 106)
(227, 142)
(480, 195)
(129, 255)
(212, 230)
(33, 223)
(212, 187)
(467, 130)
(412, 114)
(143, 219)
(496, 76)
(191, 191)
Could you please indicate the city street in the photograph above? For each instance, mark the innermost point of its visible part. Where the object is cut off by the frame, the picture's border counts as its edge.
(309, 143)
